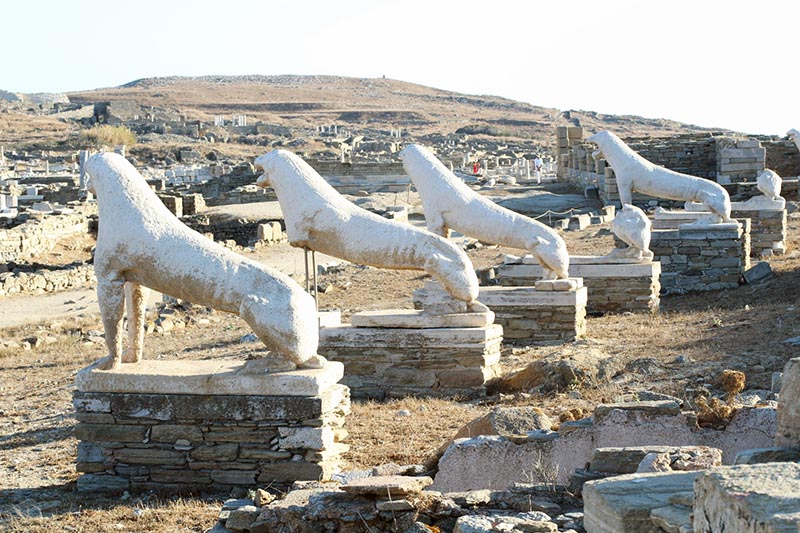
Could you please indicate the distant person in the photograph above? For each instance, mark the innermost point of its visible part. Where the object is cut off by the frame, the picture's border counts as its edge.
(476, 167)
(537, 167)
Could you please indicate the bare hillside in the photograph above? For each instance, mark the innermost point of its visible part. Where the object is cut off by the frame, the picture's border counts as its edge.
(307, 101)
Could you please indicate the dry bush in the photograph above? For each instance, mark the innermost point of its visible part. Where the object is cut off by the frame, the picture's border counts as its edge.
(106, 135)
(713, 413)
(732, 382)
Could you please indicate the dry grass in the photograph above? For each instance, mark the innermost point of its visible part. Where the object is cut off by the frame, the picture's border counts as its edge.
(108, 136)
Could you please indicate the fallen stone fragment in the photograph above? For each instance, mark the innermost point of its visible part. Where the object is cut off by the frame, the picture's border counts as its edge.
(387, 485)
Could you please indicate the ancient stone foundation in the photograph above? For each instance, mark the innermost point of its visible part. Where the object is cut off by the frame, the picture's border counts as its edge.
(767, 226)
(701, 258)
(384, 362)
(193, 426)
(530, 315)
(612, 288)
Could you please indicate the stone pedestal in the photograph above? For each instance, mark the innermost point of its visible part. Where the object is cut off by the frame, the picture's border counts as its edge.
(385, 362)
(530, 314)
(192, 426)
(697, 258)
(768, 220)
(612, 287)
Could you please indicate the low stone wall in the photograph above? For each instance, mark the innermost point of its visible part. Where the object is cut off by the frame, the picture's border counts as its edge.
(395, 362)
(38, 235)
(176, 442)
(612, 288)
(45, 280)
(243, 231)
(701, 258)
(350, 178)
(529, 315)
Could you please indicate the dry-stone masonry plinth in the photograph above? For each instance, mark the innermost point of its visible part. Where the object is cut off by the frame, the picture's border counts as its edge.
(439, 350)
(547, 311)
(625, 279)
(191, 426)
(696, 258)
(612, 287)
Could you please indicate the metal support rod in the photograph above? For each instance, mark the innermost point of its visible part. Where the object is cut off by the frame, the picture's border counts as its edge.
(316, 287)
(305, 251)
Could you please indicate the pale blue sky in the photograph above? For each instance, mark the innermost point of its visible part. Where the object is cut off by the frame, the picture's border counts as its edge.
(727, 64)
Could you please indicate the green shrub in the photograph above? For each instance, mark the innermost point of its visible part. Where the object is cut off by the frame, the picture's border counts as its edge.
(106, 135)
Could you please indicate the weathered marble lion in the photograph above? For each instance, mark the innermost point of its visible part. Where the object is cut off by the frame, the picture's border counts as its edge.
(450, 204)
(141, 245)
(635, 173)
(319, 218)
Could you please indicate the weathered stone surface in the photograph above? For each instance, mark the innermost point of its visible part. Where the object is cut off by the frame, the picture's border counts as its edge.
(652, 408)
(497, 462)
(211, 377)
(748, 498)
(788, 432)
(172, 433)
(215, 453)
(511, 524)
(413, 319)
(672, 518)
(623, 504)
(241, 518)
(102, 483)
(506, 421)
(558, 373)
(767, 455)
(110, 433)
(383, 486)
(627, 460)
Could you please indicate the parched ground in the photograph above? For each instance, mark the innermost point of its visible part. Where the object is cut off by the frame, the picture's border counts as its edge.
(681, 350)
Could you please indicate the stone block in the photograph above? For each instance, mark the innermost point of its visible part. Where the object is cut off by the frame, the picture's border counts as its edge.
(110, 433)
(748, 498)
(210, 377)
(102, 483)
(760, 272)
(416, 319)
(767, 455)
(387, 486)
(623, 504)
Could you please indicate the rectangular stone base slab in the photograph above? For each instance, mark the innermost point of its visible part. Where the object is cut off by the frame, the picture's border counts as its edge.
(529, 315)
(612, 288)
(394, 362)
(172, 442)
(418, 319)
(209, 377)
